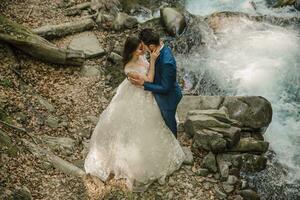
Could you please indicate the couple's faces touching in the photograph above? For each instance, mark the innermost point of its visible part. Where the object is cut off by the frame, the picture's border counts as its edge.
(142, 49)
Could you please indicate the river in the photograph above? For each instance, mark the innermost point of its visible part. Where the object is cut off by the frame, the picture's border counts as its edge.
(254, 58)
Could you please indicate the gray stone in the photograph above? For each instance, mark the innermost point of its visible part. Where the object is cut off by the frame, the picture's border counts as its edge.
(202, 172)
(219, 193)
(5, 140)
(21, 117)
(93, 119)
(223, 167)
(297, 5)
(206, 185)
(210, 140)
(253, 163)
(189, 159)
(250, 145)
(228, 188)
(21, 193)
(203, 121)
(252, 111)
(232, 180)
(231, 135)
(173, 20)
(170, 195)
(171, 182)
(209, 162)
(189, 103)
(124, 21)
(88, 43)
(62, 144)
(52, 122)
(45, 103)
(249, 194)
(90, 70)
(115, 58)
(237, 197)
(244, 184)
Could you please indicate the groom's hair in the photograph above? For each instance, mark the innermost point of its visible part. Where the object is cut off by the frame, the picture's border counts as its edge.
(148, 36)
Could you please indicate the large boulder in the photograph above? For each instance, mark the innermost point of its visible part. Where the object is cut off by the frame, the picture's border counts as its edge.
(173, 20)
(282, 3)
(297, 4)
(250, 145)
(209, 162)
(254, 112)
(124, 21)
(210, 140)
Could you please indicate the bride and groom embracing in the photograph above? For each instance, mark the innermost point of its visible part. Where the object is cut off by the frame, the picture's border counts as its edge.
(135, 137)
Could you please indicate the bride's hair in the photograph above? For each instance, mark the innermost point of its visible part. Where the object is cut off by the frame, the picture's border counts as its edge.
(131, 45)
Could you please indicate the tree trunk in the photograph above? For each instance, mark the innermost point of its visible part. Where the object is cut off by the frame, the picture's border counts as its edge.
(51, 31)
(36, 46)
(56, 161)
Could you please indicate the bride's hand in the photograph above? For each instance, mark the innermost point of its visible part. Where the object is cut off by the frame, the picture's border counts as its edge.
(154, 55)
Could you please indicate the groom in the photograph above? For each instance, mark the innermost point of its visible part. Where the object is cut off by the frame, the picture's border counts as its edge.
(165, 88)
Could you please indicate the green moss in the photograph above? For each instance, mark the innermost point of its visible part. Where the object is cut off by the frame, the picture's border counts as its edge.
(6, 83)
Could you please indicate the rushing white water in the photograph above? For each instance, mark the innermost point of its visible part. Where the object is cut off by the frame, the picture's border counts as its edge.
(206, 7)
(252, 58)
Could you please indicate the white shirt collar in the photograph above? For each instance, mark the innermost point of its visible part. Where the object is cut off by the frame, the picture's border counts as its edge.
(162, 46)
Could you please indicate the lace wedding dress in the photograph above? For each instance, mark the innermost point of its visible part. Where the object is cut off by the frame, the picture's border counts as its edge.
(131, 139)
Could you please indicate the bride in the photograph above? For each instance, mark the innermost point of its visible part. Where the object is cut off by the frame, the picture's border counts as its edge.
(131, 139)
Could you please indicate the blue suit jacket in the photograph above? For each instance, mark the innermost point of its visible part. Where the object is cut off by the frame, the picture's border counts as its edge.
(165, 88)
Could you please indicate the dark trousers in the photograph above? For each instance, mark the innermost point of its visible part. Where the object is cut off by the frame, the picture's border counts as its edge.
(170, 120)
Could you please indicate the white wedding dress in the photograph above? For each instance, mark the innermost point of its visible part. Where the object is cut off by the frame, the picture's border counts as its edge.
(132, 141)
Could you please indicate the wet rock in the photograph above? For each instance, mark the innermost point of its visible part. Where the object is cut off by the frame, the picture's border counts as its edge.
(282, 3)
(252, 111)
(219, 193)
(232, 180)
(244, 184)
(253, 163)
(228, 188)
(88, 43)
(250, 145)
(189, 159)
(223, 167)
(124, 21)
(297, 5)
(173, 20)
(202, 172)
(210, 140)
(90, 70)
(231, 135)
(249, 194)
(209, 162)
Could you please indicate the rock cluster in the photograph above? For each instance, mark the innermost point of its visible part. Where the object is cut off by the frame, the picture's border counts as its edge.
(231, 130)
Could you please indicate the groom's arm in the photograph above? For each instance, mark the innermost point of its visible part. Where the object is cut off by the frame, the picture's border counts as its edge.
(168, 79)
